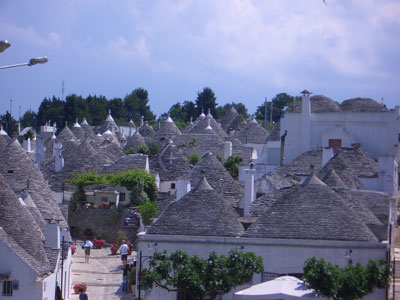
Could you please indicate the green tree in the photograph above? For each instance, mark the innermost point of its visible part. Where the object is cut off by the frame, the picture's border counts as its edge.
(29, 119)
(136, 106)
(51, 110)
(240, 108)
(348, 283)
(97, 107)
(232, 165)
(279, 102)
(118, 110)
(9, 124)
(194, 158)
(75, 107)
(199, 278)
(206, 99)
(154, 149)
(148, 211)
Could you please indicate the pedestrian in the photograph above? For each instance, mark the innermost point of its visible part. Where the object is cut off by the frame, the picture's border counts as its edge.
(124, 252)
(125, 278)
(88, 244)
(83, 295)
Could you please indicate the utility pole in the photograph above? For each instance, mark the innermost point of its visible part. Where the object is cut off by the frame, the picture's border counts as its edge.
(265, 113)
(272, 108)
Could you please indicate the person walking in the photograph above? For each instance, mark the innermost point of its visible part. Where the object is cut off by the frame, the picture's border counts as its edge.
(88, 244)
(83, 295)
(123, 249)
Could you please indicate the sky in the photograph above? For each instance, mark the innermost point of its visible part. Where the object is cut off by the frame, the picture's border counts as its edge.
(244, 50)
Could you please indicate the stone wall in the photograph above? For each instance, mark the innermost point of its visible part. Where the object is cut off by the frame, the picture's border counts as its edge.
(105, 222)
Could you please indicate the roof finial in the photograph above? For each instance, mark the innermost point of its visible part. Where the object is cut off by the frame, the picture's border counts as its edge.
(141, 121)
(209, 125)
(191, 119)
(202, 115)
(169, 120)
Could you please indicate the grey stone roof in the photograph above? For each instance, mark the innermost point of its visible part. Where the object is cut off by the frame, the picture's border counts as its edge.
(252, 133)
(200, 144)
(135, 141)
(200, 125)
(350, 164)
(19, 228)
(88, 129)
(310, 212)
(4, 140)
(146, 130)
(201, 212)
(217, 176)
(332, 179)
(164, 200)
(22, 176)
(322, 104)
(231, 120)
(79, 133)
(110, 150)
(168, 131)
(362, 105)
(66, 135)
(170, 164)
(373, 208)
(112, 126)
(77, 159)
(126, 163)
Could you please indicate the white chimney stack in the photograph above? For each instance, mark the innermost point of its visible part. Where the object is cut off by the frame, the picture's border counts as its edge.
(182, 188)
(249, 193)
(227, 150)
(59, 163)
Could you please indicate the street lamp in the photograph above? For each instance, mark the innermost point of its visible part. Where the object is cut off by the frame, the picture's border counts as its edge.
(4, 45)
(142, 259)
(32, 62)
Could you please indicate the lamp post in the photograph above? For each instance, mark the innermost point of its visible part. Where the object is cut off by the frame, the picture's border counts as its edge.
(4, 45)
(31, 62)
(141, 261)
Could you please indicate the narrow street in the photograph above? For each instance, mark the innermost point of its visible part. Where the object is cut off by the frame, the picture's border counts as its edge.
(103, 274)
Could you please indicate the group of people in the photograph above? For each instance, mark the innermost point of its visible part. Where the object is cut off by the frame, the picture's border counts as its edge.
(123, 249)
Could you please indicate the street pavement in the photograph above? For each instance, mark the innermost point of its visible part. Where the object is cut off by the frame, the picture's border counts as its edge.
(103, 274)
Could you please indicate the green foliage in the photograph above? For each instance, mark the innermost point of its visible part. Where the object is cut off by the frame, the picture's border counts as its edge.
(206, 99)
(232, 165)
(29, 135)
(194, 158)
(279, 102)
(9, 124)
(221, 111)
(79, 196)
(348, 283)
(138, 195)
(29, 119)
(136, 106)
(129, 179)
(148, 211)
(201, 278)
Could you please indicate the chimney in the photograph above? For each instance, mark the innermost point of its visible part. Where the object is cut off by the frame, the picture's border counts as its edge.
(388, 174)
(327, 154)
(249, 193)
(59, 164)
(52, 233)
(27, 145)
(57, 148)
(182, 188)
(227, 150)
(306, 121)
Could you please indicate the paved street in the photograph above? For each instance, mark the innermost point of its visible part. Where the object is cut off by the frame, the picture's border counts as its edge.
(103, 275)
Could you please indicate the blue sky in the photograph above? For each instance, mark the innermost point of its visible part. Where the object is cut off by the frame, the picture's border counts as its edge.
(245, 50)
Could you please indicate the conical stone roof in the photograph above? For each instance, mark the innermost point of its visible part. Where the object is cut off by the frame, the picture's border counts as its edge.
(20, 226)
(21, 174)
(201, 212)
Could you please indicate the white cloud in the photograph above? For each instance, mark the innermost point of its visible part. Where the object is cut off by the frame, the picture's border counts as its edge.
(123, 49)
(30, 36)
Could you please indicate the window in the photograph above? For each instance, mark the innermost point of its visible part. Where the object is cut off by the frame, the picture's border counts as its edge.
(173, 186)
(7, 288)
(335, 143)
(121, 196)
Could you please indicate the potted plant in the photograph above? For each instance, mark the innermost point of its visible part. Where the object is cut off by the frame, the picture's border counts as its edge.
(79, 286)
(73, 249)
(114, 250)
(99, 243)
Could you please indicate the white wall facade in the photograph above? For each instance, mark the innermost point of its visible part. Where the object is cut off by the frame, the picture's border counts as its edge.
(377, 132)
(12, 264)
(280, 256)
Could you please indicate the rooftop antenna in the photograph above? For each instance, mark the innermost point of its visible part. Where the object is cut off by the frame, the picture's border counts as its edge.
(382, 100)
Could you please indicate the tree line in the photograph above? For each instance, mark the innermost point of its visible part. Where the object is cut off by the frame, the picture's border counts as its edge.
(135, 105)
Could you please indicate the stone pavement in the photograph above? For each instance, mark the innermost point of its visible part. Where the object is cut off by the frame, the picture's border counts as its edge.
(103, 274)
